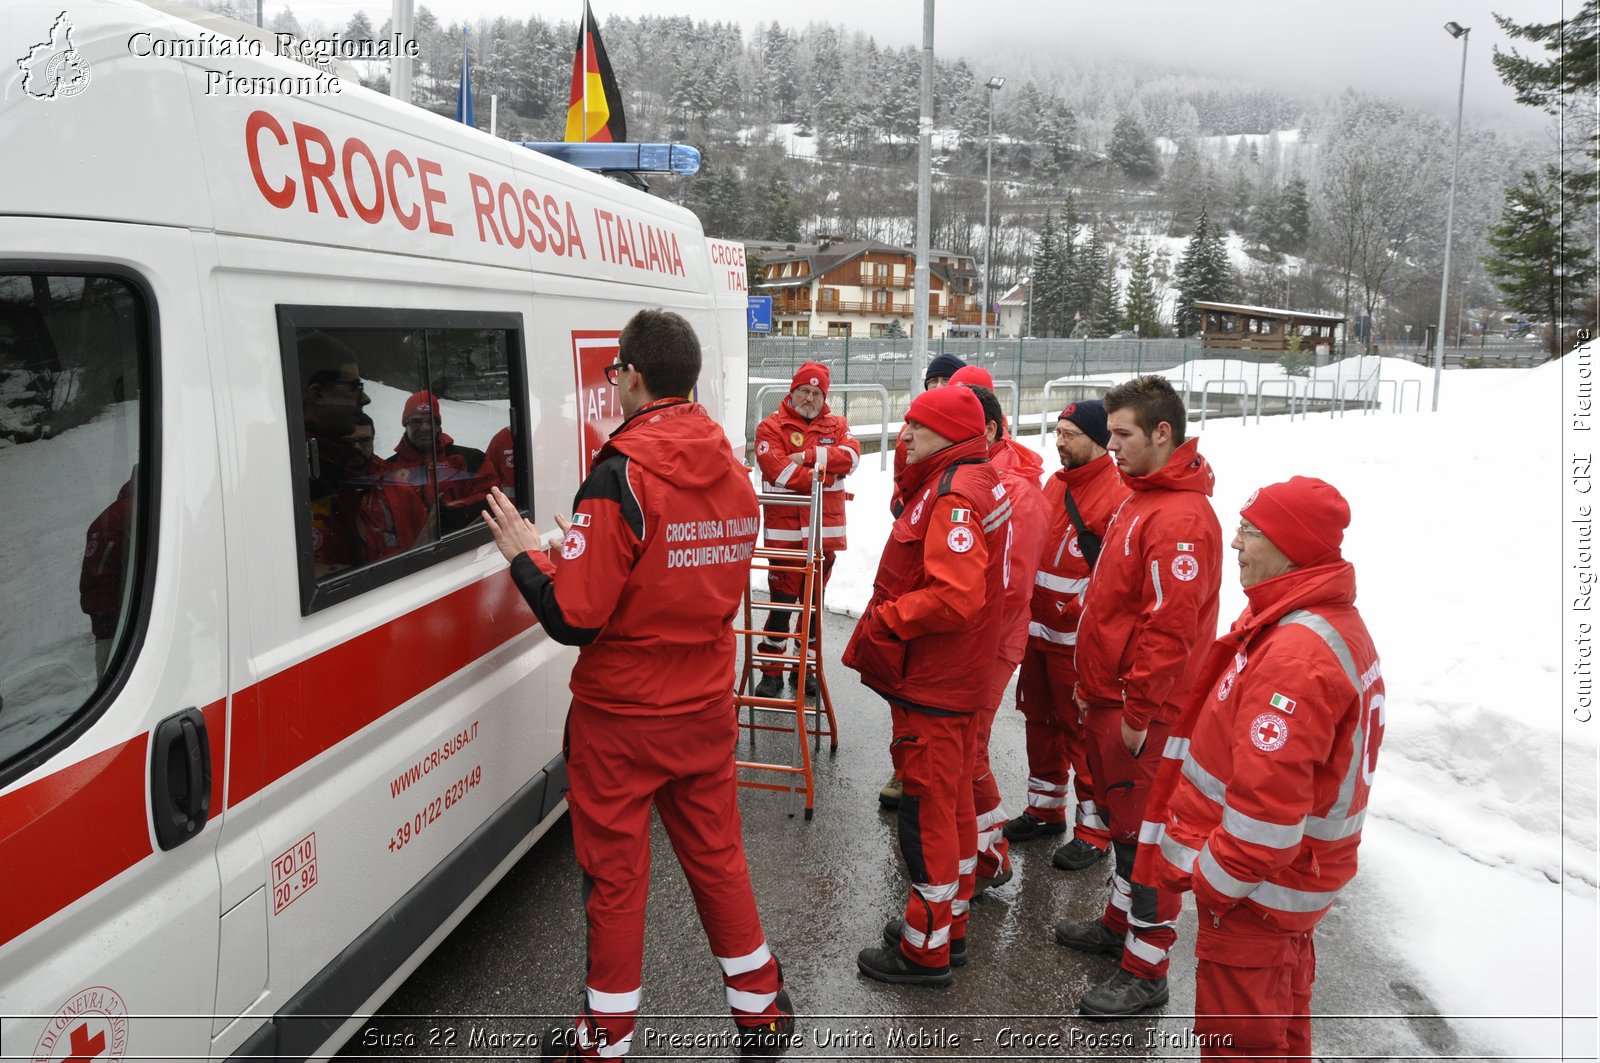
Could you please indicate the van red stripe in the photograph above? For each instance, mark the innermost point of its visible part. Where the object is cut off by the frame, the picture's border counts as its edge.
(287, 719)
(66, 834)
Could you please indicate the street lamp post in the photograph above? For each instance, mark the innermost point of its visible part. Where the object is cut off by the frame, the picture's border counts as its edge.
(1459, 31)
(994, 85)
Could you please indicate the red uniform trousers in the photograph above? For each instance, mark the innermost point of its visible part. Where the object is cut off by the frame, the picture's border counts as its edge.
(994, 851)
(933, 755)
(1146, 915)
(1252, 995)
(617, 767)
(784, 587)
(1057, 746)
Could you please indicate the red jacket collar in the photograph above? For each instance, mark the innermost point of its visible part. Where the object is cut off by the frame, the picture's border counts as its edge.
(918, 473)
(1185, 470)
(1271, 600)
(787, 408)
(1085, 473)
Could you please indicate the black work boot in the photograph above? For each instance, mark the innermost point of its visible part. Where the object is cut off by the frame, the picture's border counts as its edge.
(770, 1039)
(958, 946)
(1089, 935)
(1077, 855)
(770, 686)
(1123, 997)
(559, 1045)
(811, 685)
(891, 965)
(1025, 828)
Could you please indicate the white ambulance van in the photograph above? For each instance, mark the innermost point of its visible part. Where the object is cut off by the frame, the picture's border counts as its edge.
(273, 717)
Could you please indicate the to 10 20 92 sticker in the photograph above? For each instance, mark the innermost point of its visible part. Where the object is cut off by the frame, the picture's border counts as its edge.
(294, 872)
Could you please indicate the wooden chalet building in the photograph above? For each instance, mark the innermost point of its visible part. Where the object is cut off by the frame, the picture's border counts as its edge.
(1229, 326)
(856, 288)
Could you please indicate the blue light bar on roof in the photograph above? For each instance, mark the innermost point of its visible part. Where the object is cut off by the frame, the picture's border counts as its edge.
(678, 159)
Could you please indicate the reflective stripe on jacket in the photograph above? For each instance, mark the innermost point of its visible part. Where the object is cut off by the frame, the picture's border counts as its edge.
(936, 608)
(830, 450)
(1097, 490)
(1151, 607)
(1264, 783)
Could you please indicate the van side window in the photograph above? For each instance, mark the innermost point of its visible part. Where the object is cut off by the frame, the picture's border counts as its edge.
(402, 423)
(74, 489)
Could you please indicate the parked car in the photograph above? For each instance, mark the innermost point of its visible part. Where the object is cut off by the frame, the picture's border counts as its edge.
(1123, 336)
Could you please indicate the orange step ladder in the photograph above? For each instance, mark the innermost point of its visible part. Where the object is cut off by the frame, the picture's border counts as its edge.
(791, 715)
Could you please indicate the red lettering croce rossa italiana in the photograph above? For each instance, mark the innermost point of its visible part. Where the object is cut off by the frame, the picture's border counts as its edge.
(371, 190)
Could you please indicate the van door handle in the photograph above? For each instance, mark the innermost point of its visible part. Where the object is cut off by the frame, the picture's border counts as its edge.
(180, 778)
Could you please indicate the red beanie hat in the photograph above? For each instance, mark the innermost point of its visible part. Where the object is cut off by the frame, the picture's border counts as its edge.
(973, 374)
(421, 402)
(1303, 516)
(813, 373)
(954, 413)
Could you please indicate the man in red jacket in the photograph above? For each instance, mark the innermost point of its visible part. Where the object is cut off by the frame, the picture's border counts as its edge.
(941, 369)
(106, 550)
(936, 607)
(433, 462)
(654, 565)
(1019, 468)
(1149, 613)
(1055, 735)
(801, 441)
(1259, 804)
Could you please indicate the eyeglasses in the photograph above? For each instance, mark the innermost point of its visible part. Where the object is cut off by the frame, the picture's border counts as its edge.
(354, 385)
(1065, 433)
(614, 372)
(1248, 529)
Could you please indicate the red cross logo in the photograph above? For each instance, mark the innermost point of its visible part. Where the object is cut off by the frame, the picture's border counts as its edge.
(1269, 732)
(960, 539)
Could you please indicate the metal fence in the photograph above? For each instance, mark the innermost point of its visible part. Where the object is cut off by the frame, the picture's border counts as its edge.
(1024, 368)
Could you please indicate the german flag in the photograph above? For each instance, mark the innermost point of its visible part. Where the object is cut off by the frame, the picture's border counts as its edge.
(595, 109)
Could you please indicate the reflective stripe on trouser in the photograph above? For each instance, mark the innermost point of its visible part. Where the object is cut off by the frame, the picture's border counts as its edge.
(933, 757)
(1057, 746)
(1148, 917)
(1122, 786)
(1252, 994)
(993, 848)
(617, 766)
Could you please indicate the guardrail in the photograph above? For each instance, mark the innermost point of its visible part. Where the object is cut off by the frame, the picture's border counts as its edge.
(1064, 382)
(1312, 386)
(883, 393)
(1295, 391)
(1205, 392)
(1016, 401)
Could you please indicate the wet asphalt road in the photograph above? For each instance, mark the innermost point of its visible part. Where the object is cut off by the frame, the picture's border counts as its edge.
(825, 887)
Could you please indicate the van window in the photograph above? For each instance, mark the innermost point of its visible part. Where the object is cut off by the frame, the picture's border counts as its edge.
(73, 487)
(401, 423)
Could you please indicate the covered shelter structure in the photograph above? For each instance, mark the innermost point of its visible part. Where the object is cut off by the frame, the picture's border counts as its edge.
(1234, 327)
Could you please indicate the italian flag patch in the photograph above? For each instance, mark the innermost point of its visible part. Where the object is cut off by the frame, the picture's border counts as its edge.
(1186, 548)
(1283, 704)
(961, 516)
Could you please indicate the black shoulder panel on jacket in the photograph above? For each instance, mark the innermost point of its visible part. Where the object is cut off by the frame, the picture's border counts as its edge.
(609, 480)
(540, 591)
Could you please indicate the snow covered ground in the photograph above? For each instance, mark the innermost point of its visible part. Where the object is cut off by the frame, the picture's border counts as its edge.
(1483, 827)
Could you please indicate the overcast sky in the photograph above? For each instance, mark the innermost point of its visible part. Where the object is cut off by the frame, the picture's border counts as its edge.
(1394, 47)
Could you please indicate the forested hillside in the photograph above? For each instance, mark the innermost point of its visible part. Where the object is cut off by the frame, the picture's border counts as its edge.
(1337, 200)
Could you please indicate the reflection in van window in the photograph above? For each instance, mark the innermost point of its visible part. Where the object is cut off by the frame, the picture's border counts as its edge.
(71, 352)
(406, 430)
